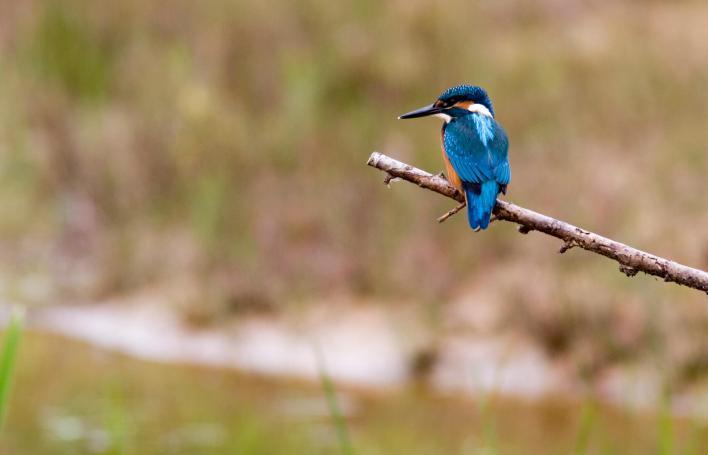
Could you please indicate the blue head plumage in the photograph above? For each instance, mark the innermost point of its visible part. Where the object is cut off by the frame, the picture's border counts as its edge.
(464, 92)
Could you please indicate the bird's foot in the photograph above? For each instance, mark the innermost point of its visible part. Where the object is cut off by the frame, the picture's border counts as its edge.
(442, 175)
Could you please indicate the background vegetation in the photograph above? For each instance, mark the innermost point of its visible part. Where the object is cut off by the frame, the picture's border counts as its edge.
(218, 147)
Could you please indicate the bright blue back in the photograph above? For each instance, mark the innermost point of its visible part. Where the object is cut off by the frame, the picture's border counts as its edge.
(477, 147)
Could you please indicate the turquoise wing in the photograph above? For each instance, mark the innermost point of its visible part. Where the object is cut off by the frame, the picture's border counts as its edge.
(477, 148)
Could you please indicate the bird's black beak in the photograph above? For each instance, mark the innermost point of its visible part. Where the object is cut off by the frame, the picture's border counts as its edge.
(430, 109)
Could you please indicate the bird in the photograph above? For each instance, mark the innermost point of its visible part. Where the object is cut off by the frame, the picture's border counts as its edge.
(474, 146)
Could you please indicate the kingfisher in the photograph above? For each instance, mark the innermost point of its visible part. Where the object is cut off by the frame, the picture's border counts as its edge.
(474, 146)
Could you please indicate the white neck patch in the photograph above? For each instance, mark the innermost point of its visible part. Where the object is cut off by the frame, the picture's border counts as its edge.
(445, 117)
(480, 109)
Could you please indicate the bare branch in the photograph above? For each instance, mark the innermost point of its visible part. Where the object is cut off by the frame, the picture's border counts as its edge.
(630, 259)
(451, 212)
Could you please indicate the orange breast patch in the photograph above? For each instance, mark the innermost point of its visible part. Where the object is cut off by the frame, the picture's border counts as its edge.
(452, 176)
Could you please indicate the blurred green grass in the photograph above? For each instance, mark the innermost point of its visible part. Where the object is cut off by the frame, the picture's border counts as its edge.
(8, 360)
(223, 144)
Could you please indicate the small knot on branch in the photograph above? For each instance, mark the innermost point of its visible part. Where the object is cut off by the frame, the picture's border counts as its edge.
(568, 244)
(389, 178)
(524, 229)
(628, 270)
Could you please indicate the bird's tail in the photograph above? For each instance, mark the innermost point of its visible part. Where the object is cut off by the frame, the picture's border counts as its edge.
(480, 202)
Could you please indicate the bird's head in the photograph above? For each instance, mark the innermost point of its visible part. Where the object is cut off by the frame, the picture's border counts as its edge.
(456, 102)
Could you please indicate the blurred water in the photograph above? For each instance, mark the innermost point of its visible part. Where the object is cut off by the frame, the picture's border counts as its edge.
(77, 399)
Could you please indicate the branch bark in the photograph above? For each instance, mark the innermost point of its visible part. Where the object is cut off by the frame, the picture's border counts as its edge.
(631, 260)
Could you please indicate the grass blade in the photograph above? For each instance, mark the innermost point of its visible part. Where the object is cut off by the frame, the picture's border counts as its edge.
(587, 422)
(8, 360)
(666, 440)
(340, 424)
